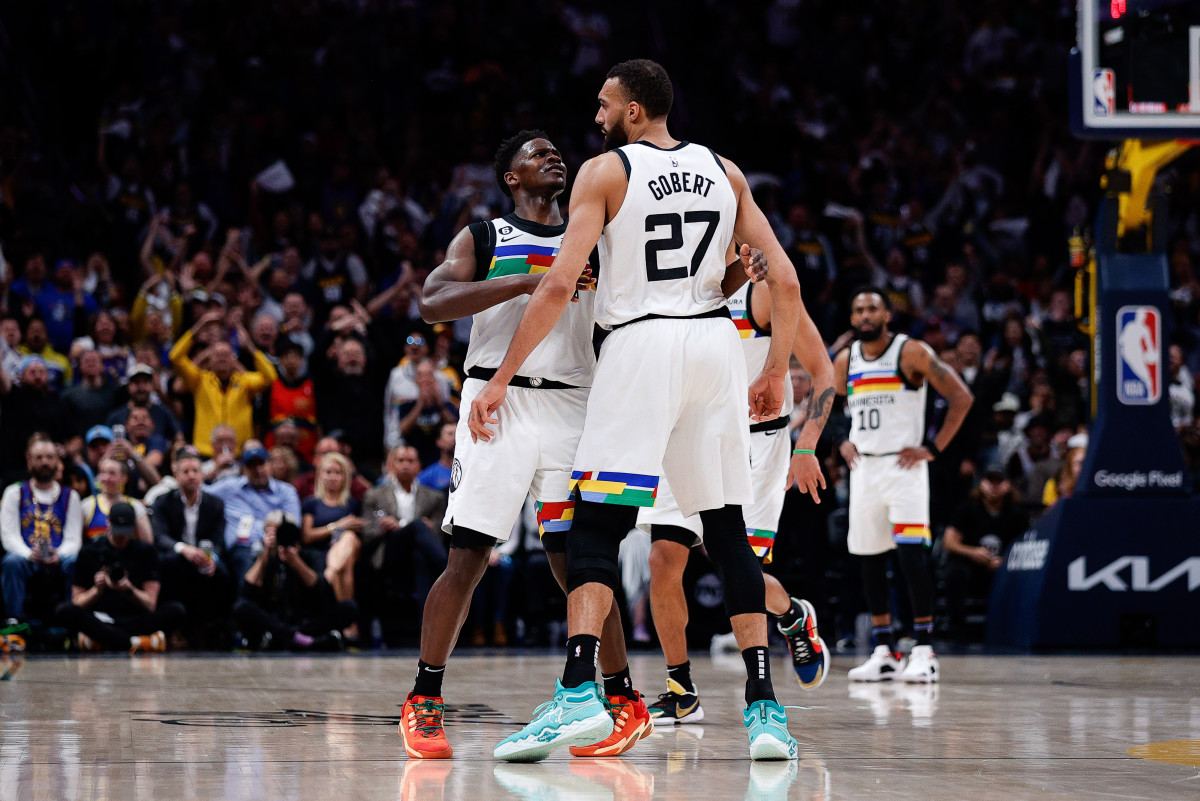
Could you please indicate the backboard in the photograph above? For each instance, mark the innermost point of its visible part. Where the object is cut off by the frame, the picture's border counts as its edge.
(1136, 71)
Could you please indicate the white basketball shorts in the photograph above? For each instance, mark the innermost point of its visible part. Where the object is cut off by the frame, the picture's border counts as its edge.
(770, 457)
(669, 399)
(531, 454)
(889, 505)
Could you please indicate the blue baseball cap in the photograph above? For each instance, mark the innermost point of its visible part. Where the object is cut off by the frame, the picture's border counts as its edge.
(253, 454)
(99, 432)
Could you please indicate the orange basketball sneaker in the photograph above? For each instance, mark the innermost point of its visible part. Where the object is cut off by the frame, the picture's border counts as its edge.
(421, 728)
(631, 722)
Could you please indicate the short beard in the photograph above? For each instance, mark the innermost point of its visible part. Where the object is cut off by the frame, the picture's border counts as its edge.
(617, 136)
(43, 474)
(868, 336)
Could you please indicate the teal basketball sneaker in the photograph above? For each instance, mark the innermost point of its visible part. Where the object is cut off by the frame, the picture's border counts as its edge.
(576, 716)
(766, 723)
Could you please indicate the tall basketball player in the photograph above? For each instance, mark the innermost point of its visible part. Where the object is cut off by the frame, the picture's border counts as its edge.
(669, 397)
(773, 466)
(491, 268)
(884, 376)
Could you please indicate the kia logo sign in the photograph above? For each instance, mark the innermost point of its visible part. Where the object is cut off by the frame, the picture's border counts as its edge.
(1114, 576)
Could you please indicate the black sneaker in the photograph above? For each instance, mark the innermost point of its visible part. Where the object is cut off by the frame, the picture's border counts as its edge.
(677, 705)
(810, 656)
(329, 642)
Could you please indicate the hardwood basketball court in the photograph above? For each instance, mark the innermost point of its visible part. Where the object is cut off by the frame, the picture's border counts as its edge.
(324, 728)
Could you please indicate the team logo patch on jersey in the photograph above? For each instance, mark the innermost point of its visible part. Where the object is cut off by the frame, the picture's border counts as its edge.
(455, 475)
(1139, 355)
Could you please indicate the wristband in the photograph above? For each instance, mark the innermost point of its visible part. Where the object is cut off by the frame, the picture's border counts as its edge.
(179, 546)
(933, 449)
(804, 450)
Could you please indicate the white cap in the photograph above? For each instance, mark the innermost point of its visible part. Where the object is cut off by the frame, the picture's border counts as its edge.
(1008, 402)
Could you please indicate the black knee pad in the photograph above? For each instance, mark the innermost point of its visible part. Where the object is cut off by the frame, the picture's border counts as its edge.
(677, 534)
(555, 541)
(914, 561)
(738, 568)
(875, 583)
(595, 542)
(463, 537)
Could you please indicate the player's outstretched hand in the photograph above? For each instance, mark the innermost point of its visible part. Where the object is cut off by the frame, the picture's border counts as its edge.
(484, 410)
(766, 397)
(805, 472)
(754, 262)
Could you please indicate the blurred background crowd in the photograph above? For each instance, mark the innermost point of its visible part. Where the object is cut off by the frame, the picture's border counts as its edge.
(216, 218)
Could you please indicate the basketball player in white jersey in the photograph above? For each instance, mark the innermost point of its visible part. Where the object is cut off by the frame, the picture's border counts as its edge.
(490, 270)
(773, 465)
(669, 397)
(884, 375)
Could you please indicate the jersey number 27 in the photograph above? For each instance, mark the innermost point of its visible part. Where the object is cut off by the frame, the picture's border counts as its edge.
(674, 241)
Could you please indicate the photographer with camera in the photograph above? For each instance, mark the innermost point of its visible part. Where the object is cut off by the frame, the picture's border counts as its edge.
(114, 601)
(284, 603)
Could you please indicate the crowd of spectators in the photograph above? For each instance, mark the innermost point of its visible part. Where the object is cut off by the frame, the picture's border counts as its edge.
(216, 219)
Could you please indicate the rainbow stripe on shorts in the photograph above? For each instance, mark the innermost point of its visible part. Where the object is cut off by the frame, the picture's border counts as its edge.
(761, 542)
(911, 534)
(555, 516)
(624, 489)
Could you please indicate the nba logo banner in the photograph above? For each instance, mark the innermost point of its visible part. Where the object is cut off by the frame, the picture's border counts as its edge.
(1139, 355)
(1104, 93)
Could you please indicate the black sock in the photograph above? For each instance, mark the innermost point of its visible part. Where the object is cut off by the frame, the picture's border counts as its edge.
(792, 616)
(885, 636)
(682, 674)
(429, 680)
(924, 632)
(619, 683)
(583, 650)
(758, 675)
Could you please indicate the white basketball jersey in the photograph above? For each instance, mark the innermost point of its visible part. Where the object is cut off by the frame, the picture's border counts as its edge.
(887, 413)
(513, 246)
(664, 252)
(756, 343)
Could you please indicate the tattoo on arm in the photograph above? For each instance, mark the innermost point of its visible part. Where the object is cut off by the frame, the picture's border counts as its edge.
(819, 409)
(937, 369)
